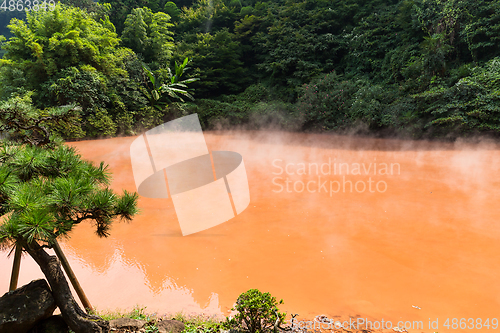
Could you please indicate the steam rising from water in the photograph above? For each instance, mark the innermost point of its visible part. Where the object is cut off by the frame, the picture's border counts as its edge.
(430, 240)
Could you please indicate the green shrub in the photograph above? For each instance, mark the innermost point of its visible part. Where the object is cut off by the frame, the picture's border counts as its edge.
(201, 324)
(274, 115)
(214, 112)
(370, 106)
(149, 117)
(324, 103)
(100, 124)
(470, 105)
(257, 312)
(244, 11)
(254, 94)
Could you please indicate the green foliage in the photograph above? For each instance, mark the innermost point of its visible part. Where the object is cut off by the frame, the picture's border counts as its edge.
(193, 323)
(216, 60)
(324, 104)
(27, 124)
(257, 312)
(46, 188)
(100, 123)
(172, 10)
(51, 191)
(149, 34)
(214, 113)
(13, 77)
(163, 90)
(255, 93)
(471, 104)
(274, 115)
(120, 9)
(380, 45)
(84, 86)
(175, 87)
(53, 40)
(202, 324)
(67, 57)
(207, 16)
(246, 11)
(333, 103)
(6, 16)
(398, 62)
(298, 42)
(139, 313)
(149, 117)
(370, 106)
(154, 94)
(96, 10)
(482, 31)
(228, 110)
(125, 91)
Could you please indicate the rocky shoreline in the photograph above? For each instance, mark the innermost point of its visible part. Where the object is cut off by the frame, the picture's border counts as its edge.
(129, 325)
(30, 309)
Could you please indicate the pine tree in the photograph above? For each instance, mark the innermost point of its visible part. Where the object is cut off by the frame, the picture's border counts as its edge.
(46, 189)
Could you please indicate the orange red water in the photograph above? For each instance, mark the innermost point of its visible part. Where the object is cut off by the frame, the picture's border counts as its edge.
(430, 239)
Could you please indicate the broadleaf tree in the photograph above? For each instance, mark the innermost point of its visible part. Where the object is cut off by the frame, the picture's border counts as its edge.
(67, 56)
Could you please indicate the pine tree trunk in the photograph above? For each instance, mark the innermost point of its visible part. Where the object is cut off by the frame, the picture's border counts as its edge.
(73, 315)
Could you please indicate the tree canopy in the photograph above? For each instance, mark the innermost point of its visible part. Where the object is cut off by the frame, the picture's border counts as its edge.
(388, 52)
(149, 34)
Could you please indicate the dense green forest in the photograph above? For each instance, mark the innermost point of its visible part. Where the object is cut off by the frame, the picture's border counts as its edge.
(413, 68)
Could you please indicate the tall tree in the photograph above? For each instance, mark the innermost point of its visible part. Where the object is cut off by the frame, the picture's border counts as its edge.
(216, 60)
(149, 34)
(67, 56)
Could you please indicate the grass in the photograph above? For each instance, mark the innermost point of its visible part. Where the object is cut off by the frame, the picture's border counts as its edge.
(194, 323)
(201, 323)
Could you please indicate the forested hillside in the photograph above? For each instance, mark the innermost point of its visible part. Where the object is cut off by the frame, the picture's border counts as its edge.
(421, 68)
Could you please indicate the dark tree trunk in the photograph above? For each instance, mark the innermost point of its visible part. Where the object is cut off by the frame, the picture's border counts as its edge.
(73, 315)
